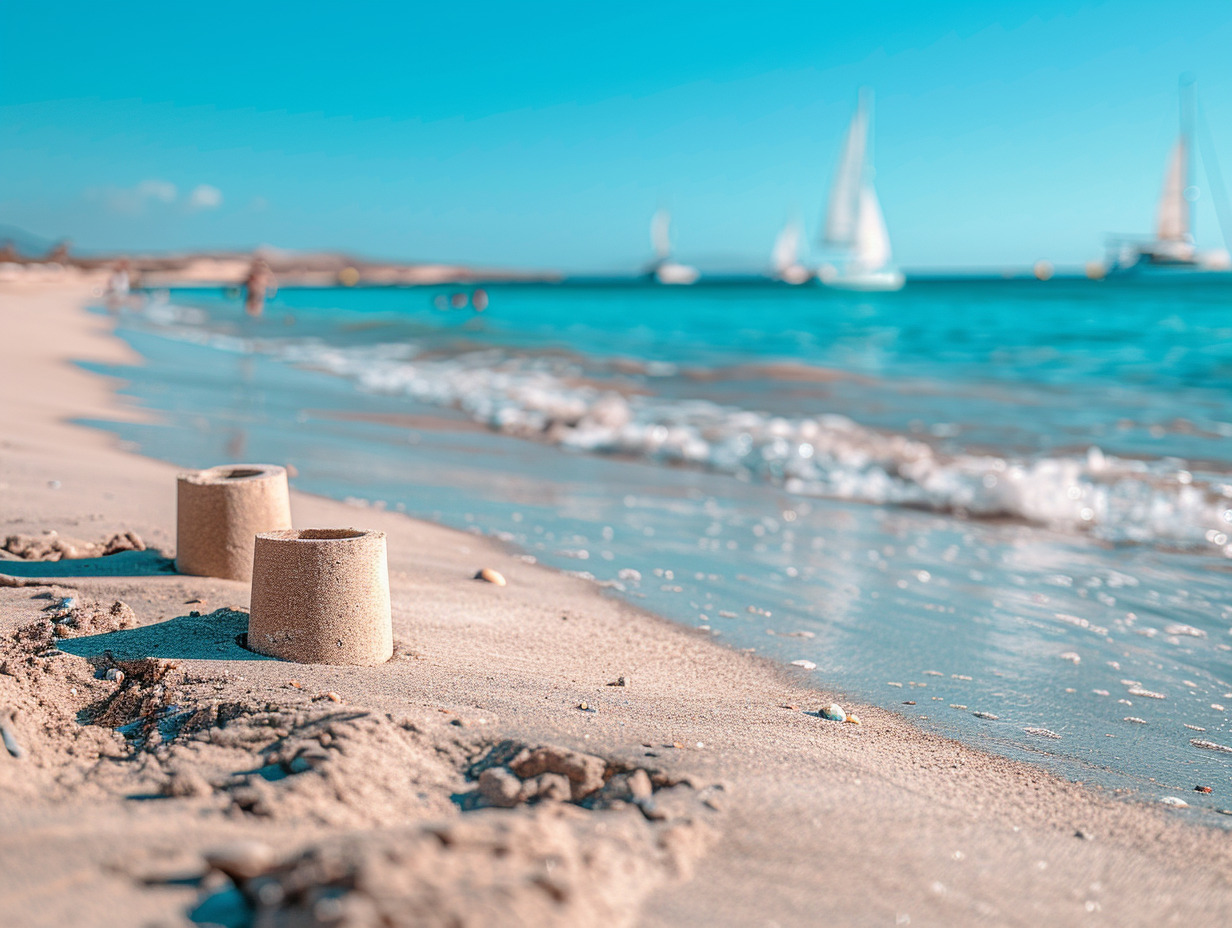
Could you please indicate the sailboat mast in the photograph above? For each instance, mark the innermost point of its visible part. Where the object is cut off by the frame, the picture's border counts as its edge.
(1186, 103)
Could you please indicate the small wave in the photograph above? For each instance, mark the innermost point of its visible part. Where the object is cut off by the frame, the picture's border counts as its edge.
(826, 455)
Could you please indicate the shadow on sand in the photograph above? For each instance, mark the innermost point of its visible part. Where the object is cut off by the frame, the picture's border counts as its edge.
(149, 562)
(215, 637)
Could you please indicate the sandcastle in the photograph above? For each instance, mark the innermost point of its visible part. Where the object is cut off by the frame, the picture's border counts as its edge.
(321, 596)
(220, 510)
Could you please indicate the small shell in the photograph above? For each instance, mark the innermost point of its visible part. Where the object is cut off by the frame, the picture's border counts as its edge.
(114, 674)
(807, 665)
(1175, 801)
(853, 719)
(491, 576)
(834, 712)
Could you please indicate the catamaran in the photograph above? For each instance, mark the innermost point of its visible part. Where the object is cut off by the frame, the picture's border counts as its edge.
(785, 259)
(854, 224)
(1173, 245)
(664, 269)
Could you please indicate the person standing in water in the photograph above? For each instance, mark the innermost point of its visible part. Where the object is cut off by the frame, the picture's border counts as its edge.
(260, 282)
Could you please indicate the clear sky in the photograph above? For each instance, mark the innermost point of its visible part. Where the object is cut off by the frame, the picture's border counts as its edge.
(545, 135)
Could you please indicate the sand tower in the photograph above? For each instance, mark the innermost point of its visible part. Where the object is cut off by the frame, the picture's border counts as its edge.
(321, 596)
(218, 513)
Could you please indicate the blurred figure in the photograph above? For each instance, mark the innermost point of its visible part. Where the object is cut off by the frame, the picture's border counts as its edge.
(119, 284)
(479, 300)
(259, 284)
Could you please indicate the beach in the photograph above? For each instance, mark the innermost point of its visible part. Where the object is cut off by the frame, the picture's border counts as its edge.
(355, 788)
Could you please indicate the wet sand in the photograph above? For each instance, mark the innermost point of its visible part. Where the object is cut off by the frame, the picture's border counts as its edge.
(358, 788)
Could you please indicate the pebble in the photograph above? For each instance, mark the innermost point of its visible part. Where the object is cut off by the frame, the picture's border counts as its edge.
(10, 741)
(242, 860)
(986, 715)
(1203, 789)
(1134, 719)
(1148, 694)
(333, 697)
(807, 665)
(1175, 801)
(114, 674)
(620, 681)
(1071, 656)
(834, 712)
(852, 720)
(491, 576)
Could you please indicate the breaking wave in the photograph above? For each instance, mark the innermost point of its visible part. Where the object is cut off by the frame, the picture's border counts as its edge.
(828, 455)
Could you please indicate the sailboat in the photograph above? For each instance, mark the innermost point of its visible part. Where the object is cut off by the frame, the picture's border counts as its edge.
(664, 269)
(1173, 245)
(854, 224)
(785, 259)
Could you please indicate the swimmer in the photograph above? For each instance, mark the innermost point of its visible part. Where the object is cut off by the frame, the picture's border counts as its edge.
(260, 282)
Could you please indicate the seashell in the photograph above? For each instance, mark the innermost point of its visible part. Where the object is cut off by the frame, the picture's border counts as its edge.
(491, 576)
(1175, 801)
(853, 719)
(834, 712)
(807, 665)
(986, 715)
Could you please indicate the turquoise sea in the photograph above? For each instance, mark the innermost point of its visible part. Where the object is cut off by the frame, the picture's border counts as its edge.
(1004, 497)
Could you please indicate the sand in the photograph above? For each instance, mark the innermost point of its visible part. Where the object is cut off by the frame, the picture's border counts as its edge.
(166, 770)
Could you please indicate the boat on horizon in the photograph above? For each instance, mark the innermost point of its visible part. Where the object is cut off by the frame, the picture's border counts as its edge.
(664, 269)
(854, 224)
(1173, 247)
(785, 259)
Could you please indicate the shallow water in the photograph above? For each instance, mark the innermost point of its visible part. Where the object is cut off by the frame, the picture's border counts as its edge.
(1000, 497)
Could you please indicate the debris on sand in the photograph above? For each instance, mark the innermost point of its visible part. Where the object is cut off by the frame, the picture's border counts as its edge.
(1203, 789)
(620, 681)
(986, 715)
(1043, 733)
(807, 665)
(1210, 745)
(1175, 801)
(53, 547)
(491, 576)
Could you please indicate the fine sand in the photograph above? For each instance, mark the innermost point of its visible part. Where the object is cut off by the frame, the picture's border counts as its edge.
(704, 791)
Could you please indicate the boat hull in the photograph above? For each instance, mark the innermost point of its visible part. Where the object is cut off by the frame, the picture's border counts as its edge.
(677, 274)
(870, 282)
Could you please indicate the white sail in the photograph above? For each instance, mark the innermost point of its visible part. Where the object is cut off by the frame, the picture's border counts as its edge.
(661, 234)
(840, 227)
(786, 253)
(1173, 223)
(871, 248)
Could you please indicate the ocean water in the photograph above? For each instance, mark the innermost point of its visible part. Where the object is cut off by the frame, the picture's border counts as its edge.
(1001, 497)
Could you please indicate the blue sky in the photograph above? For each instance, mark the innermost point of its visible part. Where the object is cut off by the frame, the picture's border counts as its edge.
(546, 136)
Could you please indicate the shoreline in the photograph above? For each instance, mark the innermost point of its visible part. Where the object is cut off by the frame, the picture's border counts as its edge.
(863, 823)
